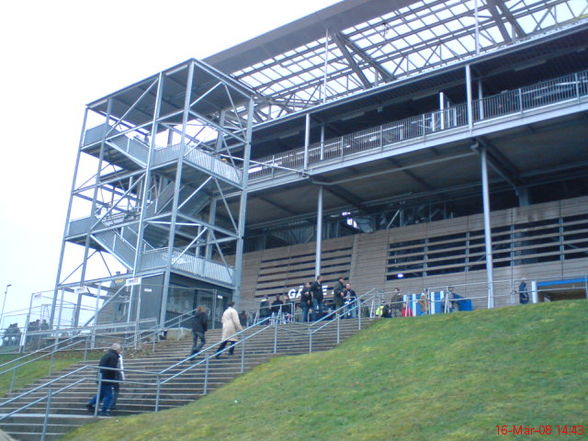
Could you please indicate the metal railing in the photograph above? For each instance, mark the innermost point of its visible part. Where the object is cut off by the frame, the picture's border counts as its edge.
(385, 137)
(362, 307)
(169, 374)
(212, 351)
(83, 339)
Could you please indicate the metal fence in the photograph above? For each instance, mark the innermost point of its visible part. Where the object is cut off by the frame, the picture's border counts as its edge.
(387, 136)
(156, 381)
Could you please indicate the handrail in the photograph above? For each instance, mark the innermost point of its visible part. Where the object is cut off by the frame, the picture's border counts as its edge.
(207, 358)
(357, 306)
(58, 345)
(35, 359)
(38, 400)
(178, 318)
(358, 301)
(43, 349)
(44, 385)
(237, 334)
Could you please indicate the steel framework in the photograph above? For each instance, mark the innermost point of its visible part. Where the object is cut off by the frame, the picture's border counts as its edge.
(154, 164)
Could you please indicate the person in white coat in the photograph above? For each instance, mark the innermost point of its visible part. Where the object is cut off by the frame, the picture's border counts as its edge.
(231, 325)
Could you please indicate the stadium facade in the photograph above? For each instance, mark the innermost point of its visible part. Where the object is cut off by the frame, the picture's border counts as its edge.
(410, 144)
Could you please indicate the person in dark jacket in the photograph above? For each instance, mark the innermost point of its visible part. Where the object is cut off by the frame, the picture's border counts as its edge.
(350, 301)
(264, 308)
(316, 288)
(108, 373)
(305, 301)
(244, 318)
(199, 328)
(523, 292)
(277, 306)
(338, 292)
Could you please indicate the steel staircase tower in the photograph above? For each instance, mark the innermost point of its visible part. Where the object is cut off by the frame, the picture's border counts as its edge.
(148, 203)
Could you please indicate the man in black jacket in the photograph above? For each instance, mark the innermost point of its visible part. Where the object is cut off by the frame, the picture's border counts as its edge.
(199, 328)
(305, 301)
(338, 293)
(108, 371)
(317, 297)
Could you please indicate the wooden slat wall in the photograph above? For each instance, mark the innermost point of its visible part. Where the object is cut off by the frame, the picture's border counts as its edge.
(277, 270)
(364, 257)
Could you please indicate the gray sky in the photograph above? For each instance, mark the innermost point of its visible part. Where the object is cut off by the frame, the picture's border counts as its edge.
(59, 55)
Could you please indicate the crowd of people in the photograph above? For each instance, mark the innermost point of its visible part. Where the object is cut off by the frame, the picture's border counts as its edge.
(312, 303)
(12, 335)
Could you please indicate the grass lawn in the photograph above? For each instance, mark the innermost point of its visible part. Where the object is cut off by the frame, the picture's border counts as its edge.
(35, 370)
(452, 377)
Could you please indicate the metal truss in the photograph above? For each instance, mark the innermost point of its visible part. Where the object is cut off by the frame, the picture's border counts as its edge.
(404, 42)
(155, 163)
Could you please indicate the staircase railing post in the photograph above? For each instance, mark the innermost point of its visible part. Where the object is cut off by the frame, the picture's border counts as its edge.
(46, 419)
(338, 328)
(154, 339)
(157, 393)
(85, 348)
(52, 361)
(275, 338)
(243, 356)
(205, 388)
(97, 404)
(93, 334)
(359, 312)
(136, 333)
(310, 341)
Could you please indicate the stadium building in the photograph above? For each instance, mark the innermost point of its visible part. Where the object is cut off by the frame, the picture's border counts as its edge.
(400, 143)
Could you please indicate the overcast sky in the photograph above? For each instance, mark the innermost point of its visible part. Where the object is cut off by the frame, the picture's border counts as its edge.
(59, 55)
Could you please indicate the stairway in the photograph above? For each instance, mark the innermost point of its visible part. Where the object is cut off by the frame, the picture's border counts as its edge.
(130, 153)
(138, 393)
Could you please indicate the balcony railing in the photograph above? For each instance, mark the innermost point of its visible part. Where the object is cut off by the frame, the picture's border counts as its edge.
(158, 258)
(388, 136)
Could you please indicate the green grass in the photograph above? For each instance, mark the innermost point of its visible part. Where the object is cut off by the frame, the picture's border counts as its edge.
(35, 370)
(452, 377)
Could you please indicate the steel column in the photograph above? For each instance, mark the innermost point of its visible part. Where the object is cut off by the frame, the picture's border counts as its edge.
(468, 74)
(243, 206)
(211, 221)
(487, 227)
(325, 67)
(306, 139)
(477, 27)
(319, 232)
(67, 219)
(442, 109)
(480, 100)
(95, 193)
(175, 202)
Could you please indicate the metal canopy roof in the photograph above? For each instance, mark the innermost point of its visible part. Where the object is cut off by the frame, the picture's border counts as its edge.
(351, 47)
(515, 66)
(300, 32)
(357, 45)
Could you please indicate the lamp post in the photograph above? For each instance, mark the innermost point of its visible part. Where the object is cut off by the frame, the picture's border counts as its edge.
(4, 304)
